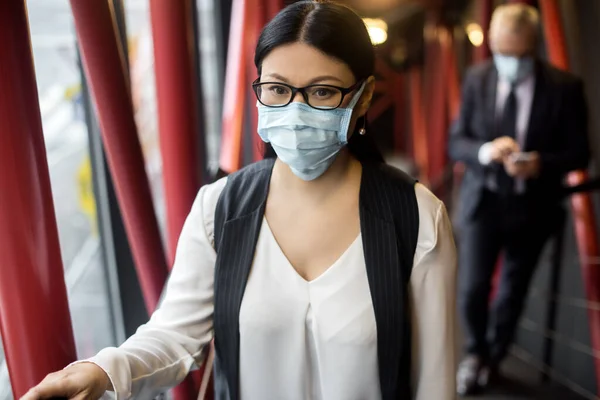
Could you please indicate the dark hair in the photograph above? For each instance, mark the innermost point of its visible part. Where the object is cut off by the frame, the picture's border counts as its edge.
(335, 30)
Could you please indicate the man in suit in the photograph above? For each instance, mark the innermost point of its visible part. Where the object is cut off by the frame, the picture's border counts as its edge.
(521, 128)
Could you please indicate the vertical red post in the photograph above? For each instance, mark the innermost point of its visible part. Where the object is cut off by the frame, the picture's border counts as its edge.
(178, 122)
(272, 8)
(176, 84)
(484, 13)
(104, 64)
(420, 139)
(235, 91)
(34, 311)
(399, 92)
(256, 18)
(247, 21)
(437, 37)
(581, 204)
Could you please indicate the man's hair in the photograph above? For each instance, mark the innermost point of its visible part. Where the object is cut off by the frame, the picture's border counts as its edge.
(516, 18)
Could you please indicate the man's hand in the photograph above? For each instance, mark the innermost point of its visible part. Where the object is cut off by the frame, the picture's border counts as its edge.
(502, 148)
(523, 169)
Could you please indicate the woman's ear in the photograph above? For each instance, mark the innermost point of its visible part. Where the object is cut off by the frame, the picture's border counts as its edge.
(367, 96)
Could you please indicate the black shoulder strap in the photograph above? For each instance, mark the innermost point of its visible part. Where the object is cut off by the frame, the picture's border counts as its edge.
(240, 209)
(406, 214)
(389, 193)
(389, 220)
(235, 199)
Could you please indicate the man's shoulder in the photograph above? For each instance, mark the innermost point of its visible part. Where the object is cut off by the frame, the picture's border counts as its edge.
(558, 76)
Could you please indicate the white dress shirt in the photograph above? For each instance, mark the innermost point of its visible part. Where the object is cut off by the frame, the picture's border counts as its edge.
(299, 340)
(524, 92)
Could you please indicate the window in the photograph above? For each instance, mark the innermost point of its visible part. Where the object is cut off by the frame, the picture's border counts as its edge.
(59, 87)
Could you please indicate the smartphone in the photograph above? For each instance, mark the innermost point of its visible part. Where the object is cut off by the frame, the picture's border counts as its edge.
(521, 157)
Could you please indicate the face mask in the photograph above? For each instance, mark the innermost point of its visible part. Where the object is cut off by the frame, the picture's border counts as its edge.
(513, 69)
(304, 138)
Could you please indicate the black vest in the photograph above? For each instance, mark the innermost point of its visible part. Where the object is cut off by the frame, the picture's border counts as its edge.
(389, 220)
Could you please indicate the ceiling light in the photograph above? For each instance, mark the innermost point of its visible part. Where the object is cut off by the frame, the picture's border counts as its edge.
(475, 34)
(377, 29)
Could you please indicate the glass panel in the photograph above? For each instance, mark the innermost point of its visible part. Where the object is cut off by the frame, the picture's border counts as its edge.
(141, 60)
(59, 86)
(65, 135)
(211, 50)
(5, 389)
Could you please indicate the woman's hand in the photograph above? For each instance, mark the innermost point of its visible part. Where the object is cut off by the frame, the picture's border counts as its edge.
(84, 381)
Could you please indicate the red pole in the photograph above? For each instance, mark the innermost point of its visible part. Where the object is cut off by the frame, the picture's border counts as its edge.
(235, 91)
(272, 8)
(35, 320)
(581, 204)
(484, 11)
(105, 69)
(435, 77)
(173, 38)
(399, 91)
(247, 21)
(420, 139)
(256, 18)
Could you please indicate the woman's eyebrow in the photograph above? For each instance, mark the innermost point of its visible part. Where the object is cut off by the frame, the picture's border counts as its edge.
(312, 81)
(325, 78)
(277, 77)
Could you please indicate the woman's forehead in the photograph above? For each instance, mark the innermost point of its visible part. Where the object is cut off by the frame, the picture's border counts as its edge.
(300, 64)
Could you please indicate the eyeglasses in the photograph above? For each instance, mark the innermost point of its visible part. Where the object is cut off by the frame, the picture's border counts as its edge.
(321, 97)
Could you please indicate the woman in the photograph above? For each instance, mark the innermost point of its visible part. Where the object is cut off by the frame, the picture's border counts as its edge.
(324, 274)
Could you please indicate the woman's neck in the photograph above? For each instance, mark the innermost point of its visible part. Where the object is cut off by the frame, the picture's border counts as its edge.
(345, 168)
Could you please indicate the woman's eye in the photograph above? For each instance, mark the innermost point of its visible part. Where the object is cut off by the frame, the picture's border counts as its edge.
(279, 90)
(322, 92)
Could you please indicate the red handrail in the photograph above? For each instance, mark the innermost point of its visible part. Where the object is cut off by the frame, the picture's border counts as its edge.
(34, 311)
(179, 128)
(581, 204)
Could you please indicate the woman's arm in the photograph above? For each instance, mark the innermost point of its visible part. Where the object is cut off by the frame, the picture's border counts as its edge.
(161, 353)
(433, 291)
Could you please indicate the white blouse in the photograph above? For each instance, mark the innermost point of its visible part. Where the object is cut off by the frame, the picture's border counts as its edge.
(299, 340)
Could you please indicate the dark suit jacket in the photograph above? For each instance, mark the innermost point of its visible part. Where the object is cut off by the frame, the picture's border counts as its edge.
(557, 130)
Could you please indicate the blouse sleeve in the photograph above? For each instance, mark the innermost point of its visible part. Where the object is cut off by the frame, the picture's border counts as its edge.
(162, 352)
(433, 288)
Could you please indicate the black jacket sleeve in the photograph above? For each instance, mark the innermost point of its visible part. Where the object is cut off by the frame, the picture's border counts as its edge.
(463, 145)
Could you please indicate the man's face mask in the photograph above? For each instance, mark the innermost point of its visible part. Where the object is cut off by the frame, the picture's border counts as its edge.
(306, 139)
(513, 69)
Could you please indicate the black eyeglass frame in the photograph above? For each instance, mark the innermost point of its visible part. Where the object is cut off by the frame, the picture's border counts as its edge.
(345, 91)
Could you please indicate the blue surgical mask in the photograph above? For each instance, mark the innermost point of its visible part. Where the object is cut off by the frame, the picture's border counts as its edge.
(513, 69)
(304, 138)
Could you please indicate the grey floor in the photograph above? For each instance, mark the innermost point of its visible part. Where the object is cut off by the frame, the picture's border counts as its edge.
(522, 382)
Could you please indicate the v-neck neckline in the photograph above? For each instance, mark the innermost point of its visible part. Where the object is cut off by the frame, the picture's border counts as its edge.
(329, 270)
